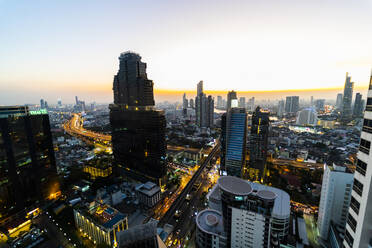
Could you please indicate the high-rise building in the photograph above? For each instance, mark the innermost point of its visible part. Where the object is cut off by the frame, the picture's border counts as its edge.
(42, 103)
(358, 105)
(219, 102)
(185, 105)
(204, 108)
(258, 141)
(253, 215)
(292, 104)
(339, 101)
(347, 99)
(311, 101)
(319, 104)
(234, 132)
(138, 129)
(59, 103)
(230, 96)
(28, 173)
(192, 103)
(307, 116)
(335, 199)
(241, 102)
(250, 106)
(358, 230)
(76, 100)
(281, 108)
(199, 88)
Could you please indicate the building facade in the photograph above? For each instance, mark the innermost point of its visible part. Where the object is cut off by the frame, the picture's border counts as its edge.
(258, 142)
(359, 223)
(138, 129)
(339, 101)
(100, 223)
(28, 174)
(292, 104)
(253, 215)
(307, 116)
(281, 108)
(204, 108)
(231, 95)
(148, 194)
(347, 99)
(335, 199)
(235, 136)
(358, 106)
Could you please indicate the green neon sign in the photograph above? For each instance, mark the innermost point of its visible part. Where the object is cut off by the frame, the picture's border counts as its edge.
(38, 112)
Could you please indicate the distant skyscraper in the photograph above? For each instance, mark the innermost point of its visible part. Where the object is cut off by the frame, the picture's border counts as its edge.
(199, 88)
(335, 199)
(76, 100)
(250, 106)
(192, 103)
(319, 104)
(339, 101)
(204, 108)
(234, 137)
(292, 104)
(241, 102)
(138, 130)
(346, 101)
(27, 164)
(42, 103)
(258, 142)
(219, 102)
(358, 106)
(185, 105)
(59, 103)
(307, 116)
(281, 108)
(311, 101)
(253, 215)
(46, 105)
(230, 96)
(358, 230)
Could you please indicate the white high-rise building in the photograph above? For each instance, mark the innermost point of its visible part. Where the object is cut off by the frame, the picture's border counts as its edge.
(335, 199)
(307, 116)
(253, 215)
(281, 108)
(358, 232)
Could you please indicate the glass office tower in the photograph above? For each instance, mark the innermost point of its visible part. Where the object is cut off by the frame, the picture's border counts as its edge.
(27, 164)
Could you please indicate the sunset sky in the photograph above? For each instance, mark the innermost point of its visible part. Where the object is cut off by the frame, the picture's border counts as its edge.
(59, 49)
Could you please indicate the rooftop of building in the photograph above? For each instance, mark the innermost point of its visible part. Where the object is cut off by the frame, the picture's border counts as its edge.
(240, 187)
(17, 110)
(137, 234)
(234, 185)
(148, 188)
(102, 214)
(210, 221)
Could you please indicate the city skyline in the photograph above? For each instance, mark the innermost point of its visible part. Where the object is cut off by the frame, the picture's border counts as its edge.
(68, 49)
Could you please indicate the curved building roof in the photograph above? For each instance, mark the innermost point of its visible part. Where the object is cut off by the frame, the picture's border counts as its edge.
(234, 185)
(210, 221)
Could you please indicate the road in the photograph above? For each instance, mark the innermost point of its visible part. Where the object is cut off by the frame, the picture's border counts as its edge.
(75, 127)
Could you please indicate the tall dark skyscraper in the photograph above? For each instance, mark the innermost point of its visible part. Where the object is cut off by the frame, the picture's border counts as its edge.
(258, 146)
(347, 99)
(358, 105)
(230, 96)
(138, 129)
(233, 140)
(27, 164)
